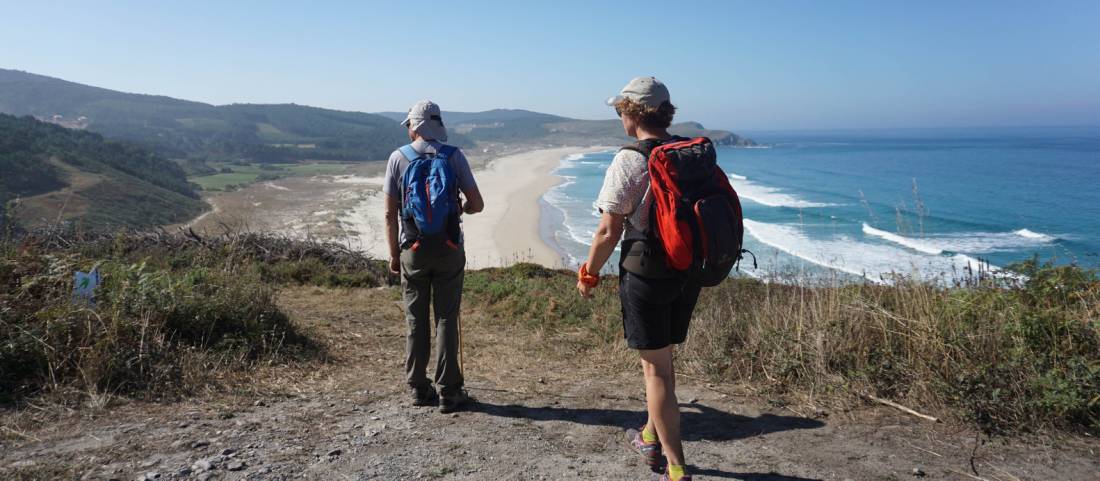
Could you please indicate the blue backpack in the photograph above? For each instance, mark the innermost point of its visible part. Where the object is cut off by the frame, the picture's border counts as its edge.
(430, 193)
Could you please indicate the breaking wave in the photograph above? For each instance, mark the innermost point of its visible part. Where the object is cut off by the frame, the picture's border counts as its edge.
(1035, 235)
(769, 196)
(967, 242)
(875, 262)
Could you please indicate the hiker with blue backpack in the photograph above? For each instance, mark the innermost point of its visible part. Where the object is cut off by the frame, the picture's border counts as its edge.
(423, 212)
(681, 228)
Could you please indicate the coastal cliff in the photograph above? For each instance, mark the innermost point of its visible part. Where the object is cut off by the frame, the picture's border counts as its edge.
(719, 137)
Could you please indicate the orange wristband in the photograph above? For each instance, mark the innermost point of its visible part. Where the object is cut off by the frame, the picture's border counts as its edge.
(587, 279)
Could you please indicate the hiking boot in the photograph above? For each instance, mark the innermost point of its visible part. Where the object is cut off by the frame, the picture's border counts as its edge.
(651, 452)
(453, 401)
(424, 396)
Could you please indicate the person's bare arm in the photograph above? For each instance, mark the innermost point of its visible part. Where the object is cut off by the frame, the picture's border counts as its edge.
(603, 245)
(392, 208)
(474, 203)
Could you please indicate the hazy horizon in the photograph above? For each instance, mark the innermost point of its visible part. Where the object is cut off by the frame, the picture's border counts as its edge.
(856, 65)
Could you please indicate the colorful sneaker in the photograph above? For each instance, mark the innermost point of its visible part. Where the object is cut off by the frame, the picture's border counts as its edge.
(650, 451)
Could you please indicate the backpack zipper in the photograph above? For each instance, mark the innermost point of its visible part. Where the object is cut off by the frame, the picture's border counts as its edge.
(428, 196)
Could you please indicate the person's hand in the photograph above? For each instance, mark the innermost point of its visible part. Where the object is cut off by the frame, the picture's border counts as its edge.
(586, 292)
(395, 265)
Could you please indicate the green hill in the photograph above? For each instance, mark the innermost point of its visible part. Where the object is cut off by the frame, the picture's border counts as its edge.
(182, 129)
(67, 174)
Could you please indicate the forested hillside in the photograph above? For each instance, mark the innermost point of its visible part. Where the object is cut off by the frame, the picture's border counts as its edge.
(200, 132)
(182, 129)
(77, 175)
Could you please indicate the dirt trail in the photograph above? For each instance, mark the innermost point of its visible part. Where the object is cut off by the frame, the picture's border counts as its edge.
(540, 415)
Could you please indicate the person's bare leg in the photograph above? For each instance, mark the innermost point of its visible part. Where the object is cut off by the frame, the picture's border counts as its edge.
(660, 395)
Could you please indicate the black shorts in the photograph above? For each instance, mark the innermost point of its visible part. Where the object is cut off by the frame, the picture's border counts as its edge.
(656, 312)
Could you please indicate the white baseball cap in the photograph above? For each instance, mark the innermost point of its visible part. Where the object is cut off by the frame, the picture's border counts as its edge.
(647, 91)
(424, 118)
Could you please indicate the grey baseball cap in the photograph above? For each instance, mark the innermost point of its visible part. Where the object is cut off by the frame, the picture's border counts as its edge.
(647, 91)
(424, 118)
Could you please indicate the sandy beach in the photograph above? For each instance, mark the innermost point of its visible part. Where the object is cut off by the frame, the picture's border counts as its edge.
(350, 209)
(506, 232)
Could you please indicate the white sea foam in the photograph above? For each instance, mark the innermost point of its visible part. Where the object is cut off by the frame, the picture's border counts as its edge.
(573, 160)
(769, 196)
(967, 242)
(577, 229)
(915, 244)
(579, 218)
(556, 195)
(1030, 234)
(734, 176)
(570, 161)
(875, 262)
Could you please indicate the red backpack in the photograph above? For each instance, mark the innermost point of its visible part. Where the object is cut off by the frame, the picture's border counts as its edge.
(696, 215)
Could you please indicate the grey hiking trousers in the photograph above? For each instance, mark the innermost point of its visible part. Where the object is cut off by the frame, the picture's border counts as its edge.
(433, 281)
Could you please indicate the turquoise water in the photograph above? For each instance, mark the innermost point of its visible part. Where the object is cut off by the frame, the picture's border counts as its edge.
(873, 204)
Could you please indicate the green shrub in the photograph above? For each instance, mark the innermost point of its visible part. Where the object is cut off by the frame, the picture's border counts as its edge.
(313, 271)
(536, 297)
(151, 331)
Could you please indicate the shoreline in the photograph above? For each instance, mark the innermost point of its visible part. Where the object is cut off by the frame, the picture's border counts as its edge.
(516, 225)
(508, 231)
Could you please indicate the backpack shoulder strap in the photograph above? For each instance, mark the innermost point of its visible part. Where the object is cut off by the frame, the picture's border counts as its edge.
(409, 152)
(643, 147)
(446, 151)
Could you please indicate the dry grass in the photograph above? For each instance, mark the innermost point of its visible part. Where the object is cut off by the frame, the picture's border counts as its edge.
(1005, 358)
(173, 316)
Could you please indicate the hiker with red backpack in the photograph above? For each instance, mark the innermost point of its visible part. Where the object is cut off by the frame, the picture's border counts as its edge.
(423, 208)
(681, 229)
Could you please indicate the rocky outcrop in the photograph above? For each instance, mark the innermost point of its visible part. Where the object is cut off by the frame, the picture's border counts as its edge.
(719, 137)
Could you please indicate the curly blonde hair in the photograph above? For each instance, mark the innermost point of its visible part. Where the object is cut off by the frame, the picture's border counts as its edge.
(648, 117)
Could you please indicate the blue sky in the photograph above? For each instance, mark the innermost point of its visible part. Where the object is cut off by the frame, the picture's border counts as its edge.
(729, 64)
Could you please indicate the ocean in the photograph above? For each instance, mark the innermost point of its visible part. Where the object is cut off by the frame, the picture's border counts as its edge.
(928, 203)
